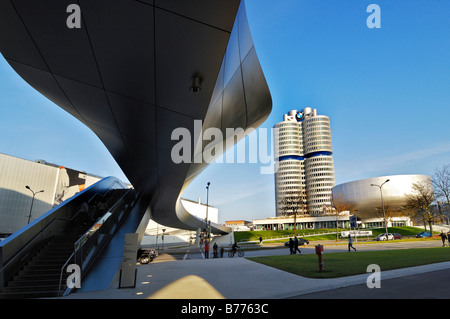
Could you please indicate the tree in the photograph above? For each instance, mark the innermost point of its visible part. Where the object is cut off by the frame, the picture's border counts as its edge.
(441, 183)
(388, 214)
(293, 205)
(338, 206)
(420, 200)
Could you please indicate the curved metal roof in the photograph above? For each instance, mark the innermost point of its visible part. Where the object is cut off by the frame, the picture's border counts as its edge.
(126, 73)
(365, 199)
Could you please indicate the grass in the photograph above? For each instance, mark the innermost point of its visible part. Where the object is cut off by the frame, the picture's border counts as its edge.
(354, 263)
(254, 235)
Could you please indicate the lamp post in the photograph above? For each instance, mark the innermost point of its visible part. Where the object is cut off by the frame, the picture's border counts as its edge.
(208, 225)
(32, 200)
(163, 230)
(382, 205)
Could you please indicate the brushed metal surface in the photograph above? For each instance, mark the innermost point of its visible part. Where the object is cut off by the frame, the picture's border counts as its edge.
(126, 74)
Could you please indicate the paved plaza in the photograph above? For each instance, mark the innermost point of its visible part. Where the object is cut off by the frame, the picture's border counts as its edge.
(186, 275)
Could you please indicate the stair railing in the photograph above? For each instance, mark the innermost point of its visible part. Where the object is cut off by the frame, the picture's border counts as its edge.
(91, 243)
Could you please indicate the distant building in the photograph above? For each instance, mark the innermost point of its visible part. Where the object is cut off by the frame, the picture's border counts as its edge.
(364, 197)
(58, 183)
(174, 236)
(326, 221)
(195, 208)
(301, 222)
(304, 165)
(239, 225)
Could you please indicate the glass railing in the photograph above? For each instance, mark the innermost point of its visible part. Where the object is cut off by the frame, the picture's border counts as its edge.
(90, 244)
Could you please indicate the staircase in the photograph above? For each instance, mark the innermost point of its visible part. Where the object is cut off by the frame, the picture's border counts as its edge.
(40, 277)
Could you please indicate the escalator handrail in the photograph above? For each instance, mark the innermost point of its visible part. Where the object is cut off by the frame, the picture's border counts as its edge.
(24, 251)
(26, 246)
(79, 246)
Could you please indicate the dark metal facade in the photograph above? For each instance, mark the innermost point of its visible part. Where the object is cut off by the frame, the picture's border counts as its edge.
(127, 73)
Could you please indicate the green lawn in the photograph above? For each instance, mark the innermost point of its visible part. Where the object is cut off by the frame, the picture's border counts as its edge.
(265, 234)
(354, 263)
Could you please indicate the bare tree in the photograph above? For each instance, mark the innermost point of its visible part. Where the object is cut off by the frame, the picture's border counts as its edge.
(293, 205)
(388, 214)
(441, 183)
(338, 206)
(420, 200)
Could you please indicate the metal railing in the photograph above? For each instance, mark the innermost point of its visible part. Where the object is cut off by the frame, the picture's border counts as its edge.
(48, 231)
(91, 243)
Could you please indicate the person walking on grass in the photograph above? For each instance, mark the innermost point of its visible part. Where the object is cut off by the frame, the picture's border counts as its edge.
(350, 243)
(443, 237)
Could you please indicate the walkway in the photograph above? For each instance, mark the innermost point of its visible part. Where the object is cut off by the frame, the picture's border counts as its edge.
(172, 277)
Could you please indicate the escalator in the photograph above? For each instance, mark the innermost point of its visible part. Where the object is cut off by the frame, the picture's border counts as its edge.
(34, 260)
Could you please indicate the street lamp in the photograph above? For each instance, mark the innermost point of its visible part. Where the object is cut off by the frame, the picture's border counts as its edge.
(32, 200)
(208, 228)
(382, 206)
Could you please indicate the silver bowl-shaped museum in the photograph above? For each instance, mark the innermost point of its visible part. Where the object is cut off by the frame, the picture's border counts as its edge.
(364, 196)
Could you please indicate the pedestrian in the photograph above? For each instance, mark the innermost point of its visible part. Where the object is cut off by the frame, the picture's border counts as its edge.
(448, 238)
(291, 246)
(260, 240)
(222, 250)
(296, 246)
(215, 250)
(350, 243)
(206, 250)
(443, 237)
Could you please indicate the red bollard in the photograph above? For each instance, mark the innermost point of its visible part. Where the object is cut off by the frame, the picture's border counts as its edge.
(319, 252)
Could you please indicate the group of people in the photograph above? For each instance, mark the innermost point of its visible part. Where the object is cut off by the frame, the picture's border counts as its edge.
(293, 246)
(94, 210)
(215, 250)
(445, 237)
(222, 250)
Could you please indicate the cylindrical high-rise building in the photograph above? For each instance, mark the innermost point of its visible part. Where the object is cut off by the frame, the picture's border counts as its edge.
(304, 173)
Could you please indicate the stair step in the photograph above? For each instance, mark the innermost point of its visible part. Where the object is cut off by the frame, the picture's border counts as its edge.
(42, 271)
(45, 264)
(41, 276)
(52, 287)
(43, 256)
(23, 295)
(36, 282)
(34, 277)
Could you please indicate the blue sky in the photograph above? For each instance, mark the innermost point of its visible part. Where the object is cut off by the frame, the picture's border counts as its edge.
(386, 91)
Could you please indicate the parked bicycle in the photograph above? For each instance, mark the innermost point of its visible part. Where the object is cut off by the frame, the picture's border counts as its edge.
(146, 256)
(239, 252)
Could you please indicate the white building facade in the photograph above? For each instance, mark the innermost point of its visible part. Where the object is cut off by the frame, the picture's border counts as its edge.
(51, 184)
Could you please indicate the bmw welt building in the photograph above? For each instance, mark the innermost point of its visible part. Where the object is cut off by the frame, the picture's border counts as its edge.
(133, 72)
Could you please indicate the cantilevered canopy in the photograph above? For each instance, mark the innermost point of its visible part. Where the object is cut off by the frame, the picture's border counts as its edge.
(127, 74)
